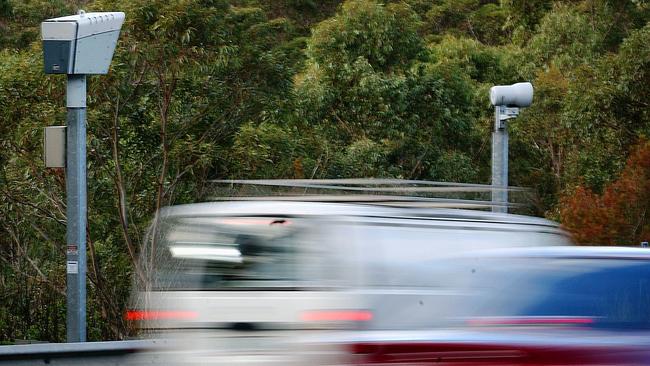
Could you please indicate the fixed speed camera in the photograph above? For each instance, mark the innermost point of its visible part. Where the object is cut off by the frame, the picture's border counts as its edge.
(515, 95)
(82, 43)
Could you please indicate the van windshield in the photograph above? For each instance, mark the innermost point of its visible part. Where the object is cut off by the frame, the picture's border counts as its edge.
(226, 252)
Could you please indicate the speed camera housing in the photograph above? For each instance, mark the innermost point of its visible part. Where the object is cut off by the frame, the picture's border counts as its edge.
(82, 43)
(515, 95)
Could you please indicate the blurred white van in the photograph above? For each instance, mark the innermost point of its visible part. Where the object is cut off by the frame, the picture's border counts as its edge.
(280, 265)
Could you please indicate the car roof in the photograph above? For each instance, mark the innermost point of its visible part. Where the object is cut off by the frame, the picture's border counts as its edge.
(306, 208)
(567, 252)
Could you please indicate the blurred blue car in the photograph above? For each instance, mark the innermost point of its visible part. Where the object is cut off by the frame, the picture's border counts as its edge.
(530, 306)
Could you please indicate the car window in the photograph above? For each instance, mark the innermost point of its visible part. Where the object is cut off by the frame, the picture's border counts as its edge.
(226, 253)
(608, 293)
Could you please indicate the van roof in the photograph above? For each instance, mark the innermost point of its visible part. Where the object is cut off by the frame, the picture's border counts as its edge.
(275, 207)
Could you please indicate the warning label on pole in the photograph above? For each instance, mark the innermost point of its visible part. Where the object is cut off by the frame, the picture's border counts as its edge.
(72, 267)
(72, 249)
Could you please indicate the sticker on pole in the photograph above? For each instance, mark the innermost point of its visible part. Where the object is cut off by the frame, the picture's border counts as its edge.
(72, 249)
(72, 267)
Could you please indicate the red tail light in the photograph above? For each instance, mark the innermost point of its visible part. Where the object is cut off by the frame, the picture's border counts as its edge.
(337, 315)
(159, 315)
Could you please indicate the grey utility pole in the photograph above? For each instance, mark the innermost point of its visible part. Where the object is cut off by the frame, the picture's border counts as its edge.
(506, 101)
(75, 187)
(77, 46)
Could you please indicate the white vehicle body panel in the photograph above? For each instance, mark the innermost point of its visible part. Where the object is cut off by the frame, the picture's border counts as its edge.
(351, 260)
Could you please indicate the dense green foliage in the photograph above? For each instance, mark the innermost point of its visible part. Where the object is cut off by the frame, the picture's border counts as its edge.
(213, 89)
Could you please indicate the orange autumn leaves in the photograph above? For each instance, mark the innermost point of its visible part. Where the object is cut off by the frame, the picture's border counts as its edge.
(618, 216)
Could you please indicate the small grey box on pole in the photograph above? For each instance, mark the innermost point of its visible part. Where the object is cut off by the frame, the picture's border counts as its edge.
(77, 46)
(54, 146)
(506, 99)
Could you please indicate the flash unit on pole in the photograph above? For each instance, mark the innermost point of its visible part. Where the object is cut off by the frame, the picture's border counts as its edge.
(516, 95)
(506, 99)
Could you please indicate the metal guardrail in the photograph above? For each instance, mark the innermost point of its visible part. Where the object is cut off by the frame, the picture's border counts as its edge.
(392, 192)
(87, 353)
(368, 184)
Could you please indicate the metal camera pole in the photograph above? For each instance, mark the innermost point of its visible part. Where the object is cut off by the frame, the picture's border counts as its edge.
(76, 45)
(500, 161)
(75, 187)
(506, 100)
